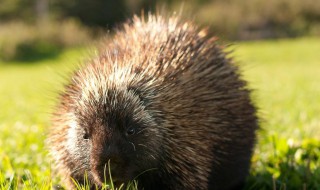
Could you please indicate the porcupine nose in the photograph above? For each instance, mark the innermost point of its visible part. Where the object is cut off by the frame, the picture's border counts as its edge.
(114, 162)
(106, 160)
(103, 168)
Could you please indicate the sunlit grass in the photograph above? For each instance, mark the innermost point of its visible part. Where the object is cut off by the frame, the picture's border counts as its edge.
(27, 93)
(285, 75)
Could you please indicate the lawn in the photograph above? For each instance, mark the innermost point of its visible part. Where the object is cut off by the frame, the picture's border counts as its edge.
(285, 75)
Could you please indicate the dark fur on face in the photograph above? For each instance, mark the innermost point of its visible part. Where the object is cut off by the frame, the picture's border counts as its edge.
(118, 134)
(164, 105)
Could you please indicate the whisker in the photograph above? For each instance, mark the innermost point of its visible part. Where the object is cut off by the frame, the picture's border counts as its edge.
(152, 156)
(142, 130)
(145, 171)
(142, 145)
(134, 147)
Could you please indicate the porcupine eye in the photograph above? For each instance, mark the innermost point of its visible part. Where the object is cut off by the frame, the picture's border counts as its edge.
(131, 131)
(86, 135)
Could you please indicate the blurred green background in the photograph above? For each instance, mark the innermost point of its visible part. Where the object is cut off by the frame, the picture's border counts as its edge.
(275, 42)
(39, 28)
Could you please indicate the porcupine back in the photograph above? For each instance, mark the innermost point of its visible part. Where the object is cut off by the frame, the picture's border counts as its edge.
(175, 80)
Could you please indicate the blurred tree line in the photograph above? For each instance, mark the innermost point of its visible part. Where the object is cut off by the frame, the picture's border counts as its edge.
(35, 22)
(104, 13)
(234, 19)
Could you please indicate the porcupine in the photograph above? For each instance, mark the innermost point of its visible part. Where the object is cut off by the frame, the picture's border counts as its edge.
(164, 104)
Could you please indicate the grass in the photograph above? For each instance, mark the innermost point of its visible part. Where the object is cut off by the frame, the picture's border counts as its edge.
(285, 75)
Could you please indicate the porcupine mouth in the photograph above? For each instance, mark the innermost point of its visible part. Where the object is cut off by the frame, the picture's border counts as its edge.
(101, 177)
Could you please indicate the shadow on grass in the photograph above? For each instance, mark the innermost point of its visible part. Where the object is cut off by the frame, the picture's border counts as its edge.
(290, 179)
(29, 53)
(290, 166)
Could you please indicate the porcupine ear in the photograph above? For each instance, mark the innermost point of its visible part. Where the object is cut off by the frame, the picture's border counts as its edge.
(136, 91)
(145, 95)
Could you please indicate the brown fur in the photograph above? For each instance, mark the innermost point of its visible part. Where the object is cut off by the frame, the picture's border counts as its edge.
(171, 85)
